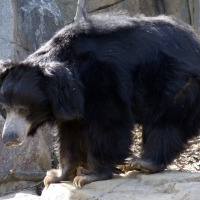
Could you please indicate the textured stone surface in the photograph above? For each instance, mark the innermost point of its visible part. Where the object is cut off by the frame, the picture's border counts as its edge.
(23, 195)
(6, 30)
(147, 7)
(25, 25)
(121, 6)
(32, 156)
(196, 16)
(179, 9)
(93, 5)
(165, 186)
(131, 7)
(37, 21)
(67, 9)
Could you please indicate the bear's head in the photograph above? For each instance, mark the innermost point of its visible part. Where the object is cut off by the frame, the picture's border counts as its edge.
(31, 95)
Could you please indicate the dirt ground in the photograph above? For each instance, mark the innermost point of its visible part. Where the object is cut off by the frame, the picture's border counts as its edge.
(189, 159)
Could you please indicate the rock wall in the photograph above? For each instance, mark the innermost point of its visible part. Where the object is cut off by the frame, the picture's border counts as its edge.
(35, 23)
(184, 10)
(24, 26)
(67, 9)
(7, 45)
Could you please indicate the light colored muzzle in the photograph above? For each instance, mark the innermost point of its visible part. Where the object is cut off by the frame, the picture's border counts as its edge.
(15, 129)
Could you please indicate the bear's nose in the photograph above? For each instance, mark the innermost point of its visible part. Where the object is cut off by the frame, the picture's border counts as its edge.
(11, 139)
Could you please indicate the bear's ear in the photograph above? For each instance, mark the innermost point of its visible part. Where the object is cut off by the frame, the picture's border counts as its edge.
(64, 90)
(5, 67)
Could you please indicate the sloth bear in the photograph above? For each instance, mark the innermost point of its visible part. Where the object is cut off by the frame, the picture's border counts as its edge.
(99, 77)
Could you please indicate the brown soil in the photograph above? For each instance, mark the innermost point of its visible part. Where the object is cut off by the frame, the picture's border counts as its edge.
(189, 160)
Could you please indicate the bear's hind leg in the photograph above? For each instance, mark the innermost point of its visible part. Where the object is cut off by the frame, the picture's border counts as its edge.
(144, 165)
(166, 133)
(161, 145)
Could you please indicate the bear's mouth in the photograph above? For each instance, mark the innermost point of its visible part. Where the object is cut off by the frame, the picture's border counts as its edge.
(12, 144)
(15, 129)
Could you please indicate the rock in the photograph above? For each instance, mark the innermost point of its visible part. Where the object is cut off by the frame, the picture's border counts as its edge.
(23, 195)
(32, 156)
(118, 7)
(7, 45)
(196, 16)
(134, 185)
(36, 22)
(25, 25)
(131, 7)
(67, 9)
(147, 7)
(93, 5)
(192, 11)
(179, 9)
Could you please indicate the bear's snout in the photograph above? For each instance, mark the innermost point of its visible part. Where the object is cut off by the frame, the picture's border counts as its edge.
(11, 139)
(15, 129)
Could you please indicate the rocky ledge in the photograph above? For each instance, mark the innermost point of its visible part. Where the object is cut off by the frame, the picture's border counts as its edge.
(134, 185)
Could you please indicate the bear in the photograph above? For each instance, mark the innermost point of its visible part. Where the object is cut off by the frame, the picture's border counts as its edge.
(97, 78)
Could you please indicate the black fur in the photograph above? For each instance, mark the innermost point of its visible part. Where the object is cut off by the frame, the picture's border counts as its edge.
(99, 77)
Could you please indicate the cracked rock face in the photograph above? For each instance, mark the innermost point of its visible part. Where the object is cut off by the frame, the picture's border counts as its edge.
(25, 25)
(32, 156)
(6, 31)
(37, 21)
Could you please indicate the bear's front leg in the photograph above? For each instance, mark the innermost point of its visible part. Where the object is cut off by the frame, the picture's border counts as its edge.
(108, 145)
(57, 175)
(72, 152)
(86, 176)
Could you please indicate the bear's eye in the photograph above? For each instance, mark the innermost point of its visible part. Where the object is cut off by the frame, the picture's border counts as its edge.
(22, 111)
(4, 111)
